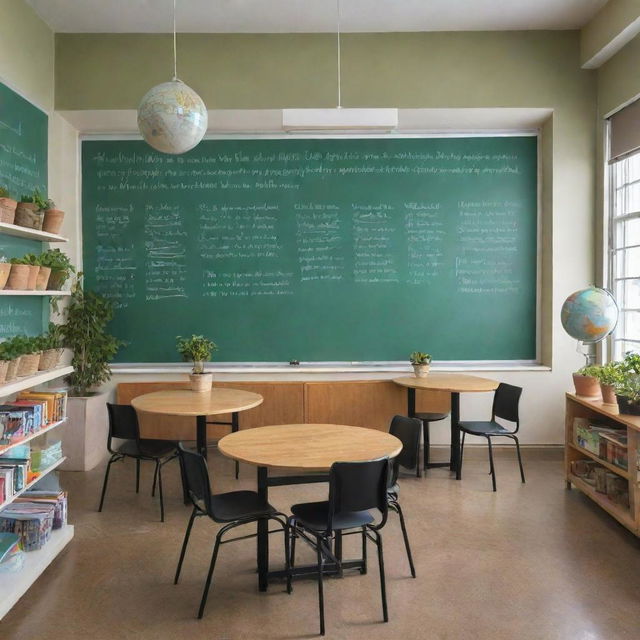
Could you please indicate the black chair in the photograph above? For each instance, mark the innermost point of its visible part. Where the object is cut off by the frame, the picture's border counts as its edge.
(231, 509)
(354, 488)
(427, 419)
(123, 425)
(407, 430)
(505, 406)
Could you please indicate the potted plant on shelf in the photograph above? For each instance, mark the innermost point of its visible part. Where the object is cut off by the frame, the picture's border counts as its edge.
(61, 268)
(10, 354)
(7, 206)
(19, 275)
(34, 269)
(420, 362)
(609, 376)
(198, 350)
(51, 347)
(5, 270)
(52, 218)
(84, 331)
(30, 211)
(586, 381)
(4, 362)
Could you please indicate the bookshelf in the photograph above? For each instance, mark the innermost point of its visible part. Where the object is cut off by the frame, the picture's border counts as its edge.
(30, 234)
(28, 486)
(577, 407)
(40, 432)
(32, 292)
(33, 381)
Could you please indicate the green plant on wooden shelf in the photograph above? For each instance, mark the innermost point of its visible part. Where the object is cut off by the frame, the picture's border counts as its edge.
(418, 357)
(610, 374)
(196, 349)
(85, 333)
(590, 370)
(36, 198)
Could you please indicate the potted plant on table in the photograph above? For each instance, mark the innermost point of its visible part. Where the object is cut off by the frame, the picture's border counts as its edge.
(609, 375)
(30, 211)
(586, 381)
(198, 350)
(84, 437)
(7, 207)
(61, 268)
(421, 363)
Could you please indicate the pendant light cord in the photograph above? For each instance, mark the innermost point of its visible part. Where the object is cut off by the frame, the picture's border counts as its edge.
(339, 65)
(175, 51)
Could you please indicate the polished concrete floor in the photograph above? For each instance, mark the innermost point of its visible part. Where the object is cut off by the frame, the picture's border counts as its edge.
(530, 561)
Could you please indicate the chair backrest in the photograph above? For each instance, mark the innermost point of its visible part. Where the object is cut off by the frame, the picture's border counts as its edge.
(196, 475)
(407, 430)
(506, 401)
(358, 486)
(123, 423)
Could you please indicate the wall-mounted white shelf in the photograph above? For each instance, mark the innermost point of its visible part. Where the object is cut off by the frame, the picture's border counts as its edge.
(20, 292)
(28, 486)
(14, 585)
(31, 234)
(40, 432)
(33, 381)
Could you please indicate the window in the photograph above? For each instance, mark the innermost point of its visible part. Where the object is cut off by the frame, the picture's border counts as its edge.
(624, 243)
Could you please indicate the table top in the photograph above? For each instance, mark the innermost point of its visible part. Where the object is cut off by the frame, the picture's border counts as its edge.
(453, 382)
(182, 402)
(311, 447)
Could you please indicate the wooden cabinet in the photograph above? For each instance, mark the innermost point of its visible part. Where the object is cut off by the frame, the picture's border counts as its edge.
(577, 407)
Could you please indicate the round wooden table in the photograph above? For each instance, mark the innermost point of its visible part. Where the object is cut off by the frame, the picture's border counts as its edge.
(455, 384)
(305, 447)
(183, 402)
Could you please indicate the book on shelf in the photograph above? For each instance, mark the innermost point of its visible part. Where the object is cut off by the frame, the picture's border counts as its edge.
(56, 401)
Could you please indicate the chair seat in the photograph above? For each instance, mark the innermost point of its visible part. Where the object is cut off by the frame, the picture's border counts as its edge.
(490, 427)
(148, 448)
(238, 505)
(431, 417)
(314, 515)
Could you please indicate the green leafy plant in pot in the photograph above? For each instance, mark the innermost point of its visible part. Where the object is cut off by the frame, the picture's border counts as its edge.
(7, 206)
(421, 363)
(609, 375)
(586, 381)
(85, 333)
(60, 265)
(198, 350)
(628, 386)
(30, 210)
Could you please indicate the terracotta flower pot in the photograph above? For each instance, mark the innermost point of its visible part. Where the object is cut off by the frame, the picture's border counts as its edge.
(28, 364)
(608, 394)
(52, 220)
(4, 365)
(5, 270)
(7, 210)
(18, 277)
(586, 386)
(12, 369)
(56, 280)
(28, 215)
(43, 278)
(34, 270)
(201, 382)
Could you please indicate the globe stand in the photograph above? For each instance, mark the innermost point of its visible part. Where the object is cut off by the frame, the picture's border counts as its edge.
(588, 350)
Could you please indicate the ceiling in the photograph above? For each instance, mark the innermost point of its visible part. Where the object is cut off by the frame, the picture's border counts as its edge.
(306, 16)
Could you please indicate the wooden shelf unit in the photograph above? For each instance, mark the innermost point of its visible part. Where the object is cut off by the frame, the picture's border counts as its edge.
(577, 407)
(31, 234)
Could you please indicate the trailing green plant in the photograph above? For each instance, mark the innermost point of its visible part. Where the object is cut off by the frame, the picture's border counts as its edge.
(57, 261)
(4, 192)
(36, 198)
(196, 349)
(418, 357)
(85, 333)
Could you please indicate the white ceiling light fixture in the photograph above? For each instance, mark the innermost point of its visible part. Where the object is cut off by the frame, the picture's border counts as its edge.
(339, 120)
(172, 117)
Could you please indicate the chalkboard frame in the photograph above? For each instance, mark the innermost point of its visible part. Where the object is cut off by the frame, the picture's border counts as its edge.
(346, 365)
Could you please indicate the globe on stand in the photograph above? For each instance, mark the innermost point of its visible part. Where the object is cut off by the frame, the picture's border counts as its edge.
(172, 117)
(589, 315)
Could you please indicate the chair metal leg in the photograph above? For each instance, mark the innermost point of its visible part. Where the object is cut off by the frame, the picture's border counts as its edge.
(406, 538)
(106, 479)
(425, 431)
(519, 458)
(155, 479)
(320, 585)
(287, 557)
(160, 493)
(461, 453)
(137, 475)
(363, 570)
(207, 584)
(493, 470)
(185, 542)
(383, 586)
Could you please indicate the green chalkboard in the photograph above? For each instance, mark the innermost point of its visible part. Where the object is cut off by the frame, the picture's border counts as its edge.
(317, 249)
(23, 168)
